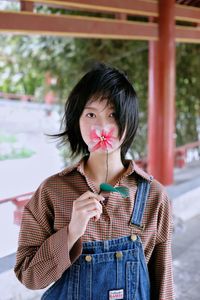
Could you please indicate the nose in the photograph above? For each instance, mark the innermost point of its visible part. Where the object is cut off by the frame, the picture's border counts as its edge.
(102, 122)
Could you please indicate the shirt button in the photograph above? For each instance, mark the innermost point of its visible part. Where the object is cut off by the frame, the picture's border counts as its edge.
(88, 258)
(119, 254)
(133, 237)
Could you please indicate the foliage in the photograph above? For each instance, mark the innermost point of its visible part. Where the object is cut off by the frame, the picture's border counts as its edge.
(15, 154)
(25, 60)
(10, 148)
(187, 93)
(7, 139)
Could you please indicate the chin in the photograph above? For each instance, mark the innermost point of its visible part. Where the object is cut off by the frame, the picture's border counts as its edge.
(101, 152)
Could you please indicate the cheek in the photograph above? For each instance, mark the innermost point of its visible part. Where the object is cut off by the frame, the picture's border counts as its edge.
(85, 130)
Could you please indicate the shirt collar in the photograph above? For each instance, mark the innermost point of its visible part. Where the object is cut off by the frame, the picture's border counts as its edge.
(132, 167)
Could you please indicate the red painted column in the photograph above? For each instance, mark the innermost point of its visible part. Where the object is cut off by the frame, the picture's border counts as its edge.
(154, 116)
(161, 120)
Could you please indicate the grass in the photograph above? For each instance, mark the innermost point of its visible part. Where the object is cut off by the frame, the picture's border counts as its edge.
(8, 149)
(8, 139)
(16, 154)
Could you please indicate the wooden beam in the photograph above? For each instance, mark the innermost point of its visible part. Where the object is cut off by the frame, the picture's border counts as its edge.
(27, 6)
(121, 16)
(88, 27)
(187, 13)
(187, 34)
(75, 26)
(137, 7)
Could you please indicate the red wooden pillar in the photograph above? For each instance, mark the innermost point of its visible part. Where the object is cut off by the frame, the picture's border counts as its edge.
(161, 121)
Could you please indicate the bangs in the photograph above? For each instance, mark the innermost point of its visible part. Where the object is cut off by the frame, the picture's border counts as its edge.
(99, 97)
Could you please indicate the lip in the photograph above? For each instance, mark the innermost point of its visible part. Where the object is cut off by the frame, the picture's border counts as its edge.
(101, 138)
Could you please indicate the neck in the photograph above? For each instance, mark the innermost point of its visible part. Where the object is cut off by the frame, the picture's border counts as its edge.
(96, 167)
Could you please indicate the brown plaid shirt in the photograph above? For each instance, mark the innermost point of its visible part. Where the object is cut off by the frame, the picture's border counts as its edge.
(43, 255)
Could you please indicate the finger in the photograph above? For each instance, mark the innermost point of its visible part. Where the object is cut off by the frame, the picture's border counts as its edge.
(91, 207)
(97, 217)
(91, 214)
(98, 210)
(84, 202)
(89, 194)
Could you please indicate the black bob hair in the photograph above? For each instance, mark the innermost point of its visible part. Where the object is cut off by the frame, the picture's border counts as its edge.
(100, 83)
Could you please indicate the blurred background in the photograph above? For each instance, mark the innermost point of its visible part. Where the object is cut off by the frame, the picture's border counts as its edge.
(45, 48)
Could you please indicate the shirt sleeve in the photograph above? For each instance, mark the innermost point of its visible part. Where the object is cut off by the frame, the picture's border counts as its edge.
(42, 254)
(160, 264)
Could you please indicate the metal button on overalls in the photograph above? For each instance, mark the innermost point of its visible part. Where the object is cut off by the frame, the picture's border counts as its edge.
(119, 254)
(88, 258)
(133, 237)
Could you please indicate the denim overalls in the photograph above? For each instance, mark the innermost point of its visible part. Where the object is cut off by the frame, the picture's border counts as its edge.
(109, 270)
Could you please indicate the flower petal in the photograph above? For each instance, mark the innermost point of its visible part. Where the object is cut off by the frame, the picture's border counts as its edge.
(93, 134)
(96, 147)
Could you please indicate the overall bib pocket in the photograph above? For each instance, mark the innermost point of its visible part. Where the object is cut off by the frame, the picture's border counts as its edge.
(104, 275)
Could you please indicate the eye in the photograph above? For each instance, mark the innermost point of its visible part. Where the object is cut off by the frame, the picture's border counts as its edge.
(112, 115)
(90, 115)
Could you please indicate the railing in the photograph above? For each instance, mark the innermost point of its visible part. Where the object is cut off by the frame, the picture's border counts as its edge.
(182, 157)
(19, 201)
(17, 97)
(186, 154)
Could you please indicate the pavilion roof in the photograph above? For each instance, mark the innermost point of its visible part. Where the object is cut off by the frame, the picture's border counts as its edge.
(195, 3)
(111, 19)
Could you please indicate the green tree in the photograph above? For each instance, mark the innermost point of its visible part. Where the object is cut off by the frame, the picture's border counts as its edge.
(25, 60)
(187, 93)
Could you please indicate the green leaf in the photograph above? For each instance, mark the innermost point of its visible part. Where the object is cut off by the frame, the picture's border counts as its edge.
(122, 190)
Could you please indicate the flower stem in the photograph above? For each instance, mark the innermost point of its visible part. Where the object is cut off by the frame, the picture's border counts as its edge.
(106, 166)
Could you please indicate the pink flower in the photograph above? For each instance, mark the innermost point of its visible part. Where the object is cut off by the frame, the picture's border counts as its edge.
(101, 139)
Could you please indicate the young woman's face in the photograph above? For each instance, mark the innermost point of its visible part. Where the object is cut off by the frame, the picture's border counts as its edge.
(98, 127)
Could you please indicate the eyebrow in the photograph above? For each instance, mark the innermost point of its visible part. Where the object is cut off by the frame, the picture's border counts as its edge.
(91, 107)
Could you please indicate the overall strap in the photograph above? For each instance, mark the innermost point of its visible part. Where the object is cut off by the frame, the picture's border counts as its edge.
(140, 202)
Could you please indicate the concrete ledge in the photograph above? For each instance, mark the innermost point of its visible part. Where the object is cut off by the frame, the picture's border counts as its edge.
(177, 190)
(12, 289)
(185, 193)
(187, 205)
(7, 262)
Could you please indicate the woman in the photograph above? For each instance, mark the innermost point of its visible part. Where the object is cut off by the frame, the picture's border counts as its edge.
(100, 229)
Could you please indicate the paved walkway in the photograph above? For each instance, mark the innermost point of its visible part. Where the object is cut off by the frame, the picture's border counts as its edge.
(186, 251)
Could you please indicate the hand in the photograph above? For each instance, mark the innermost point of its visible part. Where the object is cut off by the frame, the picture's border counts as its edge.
(84, 208)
